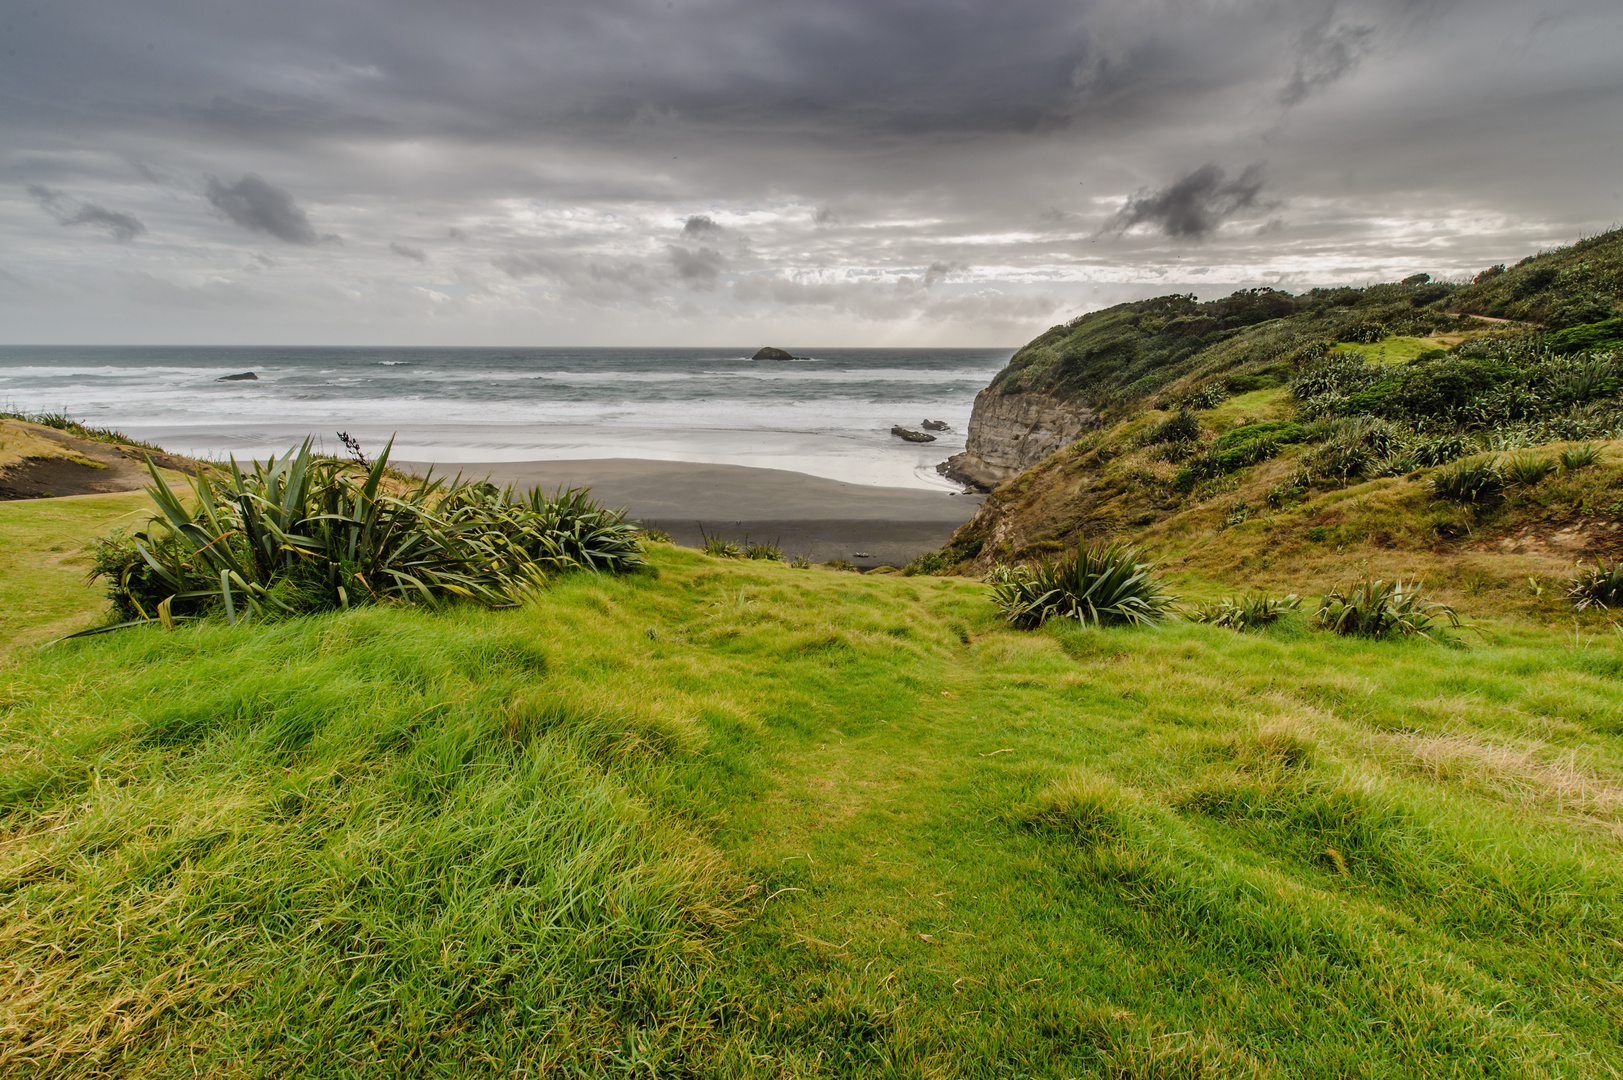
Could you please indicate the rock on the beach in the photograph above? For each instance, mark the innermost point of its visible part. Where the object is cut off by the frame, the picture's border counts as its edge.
(911, 436)
(935, 425)
(246, 376)
(769, 353)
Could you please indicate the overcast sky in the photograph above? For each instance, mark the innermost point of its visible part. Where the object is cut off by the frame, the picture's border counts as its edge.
(802, 173)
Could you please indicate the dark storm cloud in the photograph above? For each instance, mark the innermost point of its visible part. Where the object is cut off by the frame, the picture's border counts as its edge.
(120, 226)
(259, 206)
(1194, 205)
(700, 226)
(595, 151)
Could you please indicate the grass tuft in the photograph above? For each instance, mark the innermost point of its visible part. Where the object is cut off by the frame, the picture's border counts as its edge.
(1383, 609)
(1098, 585)
(1599, 586)
(1471, 482)
(1528, 470)
(1582, 456)
(1245, 612)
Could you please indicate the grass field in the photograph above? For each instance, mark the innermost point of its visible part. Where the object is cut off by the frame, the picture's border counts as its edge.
(44, 592)
(730, 819)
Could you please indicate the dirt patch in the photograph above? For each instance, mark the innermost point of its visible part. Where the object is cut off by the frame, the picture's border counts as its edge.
(49, 477)
(87, 467)
(1572, 540)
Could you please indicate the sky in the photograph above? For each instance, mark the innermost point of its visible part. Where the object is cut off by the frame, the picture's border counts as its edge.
(818, 172)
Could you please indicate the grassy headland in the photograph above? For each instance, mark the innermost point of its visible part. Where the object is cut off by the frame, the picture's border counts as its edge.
(1317, 431)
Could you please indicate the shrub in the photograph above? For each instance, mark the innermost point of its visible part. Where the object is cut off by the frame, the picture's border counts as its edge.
(1596, 586)
(1606, 334)
(1441, 449)
(656, 536)
(1470, 482)
(1353, 448)
(1528, 470)
(841, 564)
(768, 552)
(927, 563)
(1102, 584)
(1380, 609)
(1174, 452)
(721, 548)
(1578, 457)
(1181, 427)
(1244, 612)
(300, 534)
(801, 562)
(1281, 495)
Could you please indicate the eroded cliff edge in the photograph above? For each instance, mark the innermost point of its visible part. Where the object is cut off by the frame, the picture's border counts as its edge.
(1010, 432)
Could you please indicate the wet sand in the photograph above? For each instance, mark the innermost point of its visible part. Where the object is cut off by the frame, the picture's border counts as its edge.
(811, 515)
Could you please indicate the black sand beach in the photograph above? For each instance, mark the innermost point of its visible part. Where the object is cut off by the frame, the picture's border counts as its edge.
(811, 515)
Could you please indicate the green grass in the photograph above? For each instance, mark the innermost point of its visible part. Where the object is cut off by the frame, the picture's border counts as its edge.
(45, 590)
(735, 819)
(1392, 350)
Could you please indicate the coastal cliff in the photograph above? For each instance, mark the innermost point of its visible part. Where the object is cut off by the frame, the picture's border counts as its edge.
(1009, 433)
(1173, 416)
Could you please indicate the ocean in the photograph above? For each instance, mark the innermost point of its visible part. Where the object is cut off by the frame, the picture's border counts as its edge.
(828, 414)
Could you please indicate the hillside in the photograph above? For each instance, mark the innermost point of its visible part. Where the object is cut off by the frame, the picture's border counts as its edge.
(738, 819)
(1216, 430)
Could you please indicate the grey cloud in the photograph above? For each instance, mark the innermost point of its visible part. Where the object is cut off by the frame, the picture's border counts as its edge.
(1328, 52)
(858, 138)
(700, 226)
(697, 268)
(937, 271)
(120, 226)
(405, 251)
(259, 206)
(1194, 205)
(598, 279)
(904, 298)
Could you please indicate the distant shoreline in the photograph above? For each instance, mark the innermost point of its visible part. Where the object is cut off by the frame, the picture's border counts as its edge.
(804, 514)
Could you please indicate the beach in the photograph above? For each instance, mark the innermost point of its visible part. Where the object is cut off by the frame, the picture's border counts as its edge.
(869, 525)
(798, 452)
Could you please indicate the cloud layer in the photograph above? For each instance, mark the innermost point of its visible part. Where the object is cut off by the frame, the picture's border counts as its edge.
(845, 171)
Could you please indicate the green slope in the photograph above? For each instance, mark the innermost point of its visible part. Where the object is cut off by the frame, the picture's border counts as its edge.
(1269, 406)
(738, 819)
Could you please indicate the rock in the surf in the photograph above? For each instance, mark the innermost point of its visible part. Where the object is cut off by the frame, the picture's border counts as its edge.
(911, 436)
(769, 353)
(246, 376)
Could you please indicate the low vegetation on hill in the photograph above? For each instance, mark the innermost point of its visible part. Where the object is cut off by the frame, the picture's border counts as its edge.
(1267, 429)
(1175, 350)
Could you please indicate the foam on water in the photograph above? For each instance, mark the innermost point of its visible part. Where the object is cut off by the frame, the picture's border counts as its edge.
(828, 414)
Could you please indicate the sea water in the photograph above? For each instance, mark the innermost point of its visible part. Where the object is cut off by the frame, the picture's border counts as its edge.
(828, 414)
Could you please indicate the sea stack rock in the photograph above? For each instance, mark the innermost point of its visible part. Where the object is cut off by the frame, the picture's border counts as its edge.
(769, 353)
(935, 425)
(246, 376)
(911, 436)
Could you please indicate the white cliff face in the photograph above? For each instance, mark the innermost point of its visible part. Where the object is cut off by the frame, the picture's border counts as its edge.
(1009, 433)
